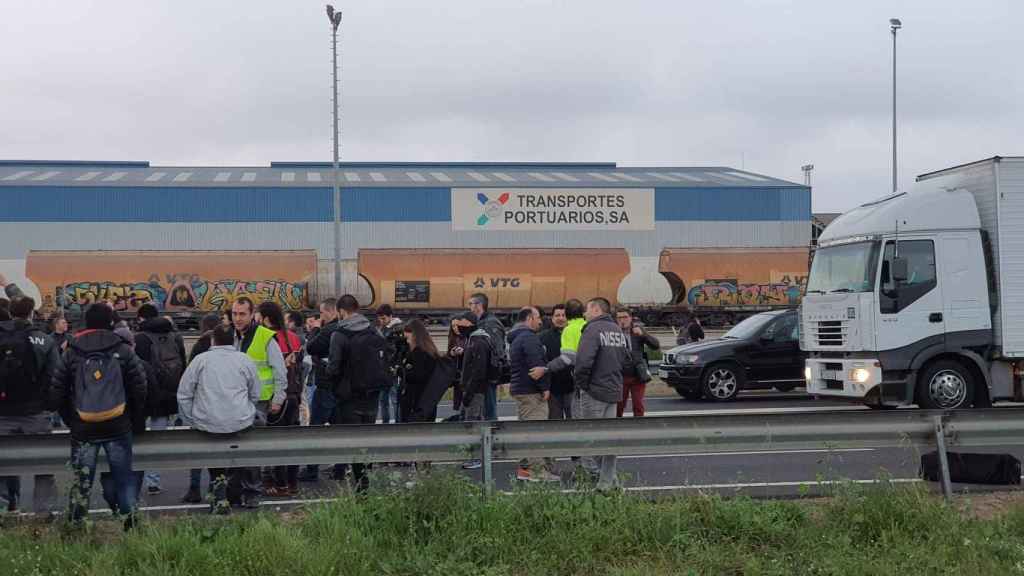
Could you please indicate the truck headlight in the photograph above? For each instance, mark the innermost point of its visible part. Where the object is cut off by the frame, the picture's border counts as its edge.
(860, 375)
(808, 374)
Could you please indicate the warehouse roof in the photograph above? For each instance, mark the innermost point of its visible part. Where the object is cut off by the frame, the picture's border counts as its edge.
(378, 174)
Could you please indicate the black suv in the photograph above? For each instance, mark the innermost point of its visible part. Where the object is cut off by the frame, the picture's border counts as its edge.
(761, 352)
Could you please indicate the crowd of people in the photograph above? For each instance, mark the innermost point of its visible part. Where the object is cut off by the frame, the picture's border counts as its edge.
(254, 366)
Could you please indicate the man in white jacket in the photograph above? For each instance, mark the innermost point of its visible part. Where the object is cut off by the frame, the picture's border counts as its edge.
(218, 395)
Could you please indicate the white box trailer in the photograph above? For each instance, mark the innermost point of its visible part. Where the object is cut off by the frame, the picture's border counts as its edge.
(997, 185)
(918, 298)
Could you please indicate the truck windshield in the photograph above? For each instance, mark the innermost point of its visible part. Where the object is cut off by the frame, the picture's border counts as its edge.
(844, 268)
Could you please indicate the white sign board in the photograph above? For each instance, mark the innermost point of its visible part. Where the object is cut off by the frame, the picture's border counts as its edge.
(552, 208)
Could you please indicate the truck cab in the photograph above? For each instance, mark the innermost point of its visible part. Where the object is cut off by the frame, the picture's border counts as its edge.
(897, 308)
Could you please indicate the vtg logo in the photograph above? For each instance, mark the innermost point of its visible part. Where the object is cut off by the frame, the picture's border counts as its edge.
(492, 208)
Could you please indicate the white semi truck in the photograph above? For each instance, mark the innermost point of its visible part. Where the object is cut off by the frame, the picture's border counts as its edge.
(918, 298)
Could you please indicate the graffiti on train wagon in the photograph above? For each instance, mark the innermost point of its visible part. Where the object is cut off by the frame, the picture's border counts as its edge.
(786, 292)
(182, 292)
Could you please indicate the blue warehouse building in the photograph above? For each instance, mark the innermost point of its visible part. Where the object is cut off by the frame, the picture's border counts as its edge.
(54, 205)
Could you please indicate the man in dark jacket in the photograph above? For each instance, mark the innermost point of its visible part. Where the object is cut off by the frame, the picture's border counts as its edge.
(560, 401)
(112, 430)
(527, 352)
(28, 360)
(479, 305)
(323, 403)
(160, 344)
(358, 373)
(598, 375)
(477, 371)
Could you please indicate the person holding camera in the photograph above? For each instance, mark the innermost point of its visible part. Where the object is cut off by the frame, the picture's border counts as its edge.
(636, 373)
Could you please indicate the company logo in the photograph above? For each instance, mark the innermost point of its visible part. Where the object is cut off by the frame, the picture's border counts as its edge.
(492, 208)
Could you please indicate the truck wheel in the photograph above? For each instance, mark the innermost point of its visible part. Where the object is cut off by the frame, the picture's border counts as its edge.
(945, 385)
(722, 382)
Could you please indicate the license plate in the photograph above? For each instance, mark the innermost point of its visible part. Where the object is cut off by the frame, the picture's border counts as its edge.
(663, 374)
(830, 375)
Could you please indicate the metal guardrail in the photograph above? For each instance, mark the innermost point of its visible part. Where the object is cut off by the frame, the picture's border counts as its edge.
(677, 435)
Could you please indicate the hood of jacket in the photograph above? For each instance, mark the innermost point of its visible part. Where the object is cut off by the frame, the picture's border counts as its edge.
(354, 323)
(158, 325)
(96, 341)
(519, 330)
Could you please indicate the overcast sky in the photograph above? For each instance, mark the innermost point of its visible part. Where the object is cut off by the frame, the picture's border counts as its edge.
(766, 86)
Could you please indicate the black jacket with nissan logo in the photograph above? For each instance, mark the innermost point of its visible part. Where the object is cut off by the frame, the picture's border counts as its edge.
(603, 352)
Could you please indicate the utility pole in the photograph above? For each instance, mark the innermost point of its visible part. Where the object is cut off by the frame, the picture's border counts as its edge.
(335, 18)
(894, 25)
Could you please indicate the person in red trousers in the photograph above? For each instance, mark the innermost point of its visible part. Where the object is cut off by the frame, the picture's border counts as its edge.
(639, 342)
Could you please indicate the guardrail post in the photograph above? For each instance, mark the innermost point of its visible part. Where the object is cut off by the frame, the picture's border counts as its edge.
(940, 443)
(486, 464)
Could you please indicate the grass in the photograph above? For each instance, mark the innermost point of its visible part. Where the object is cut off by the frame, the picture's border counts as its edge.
(444, 526)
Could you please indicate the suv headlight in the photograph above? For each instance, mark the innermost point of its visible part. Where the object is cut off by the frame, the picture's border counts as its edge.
(686, 359)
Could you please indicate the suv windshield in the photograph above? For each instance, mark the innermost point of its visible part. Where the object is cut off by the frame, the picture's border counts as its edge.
(749, 327)
(844, 268)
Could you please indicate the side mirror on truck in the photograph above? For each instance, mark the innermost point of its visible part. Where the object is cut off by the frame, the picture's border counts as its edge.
(900, 269)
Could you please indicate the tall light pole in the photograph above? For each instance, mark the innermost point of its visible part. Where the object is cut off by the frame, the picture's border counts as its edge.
(894, 25)
(807, 168)
(335, 18)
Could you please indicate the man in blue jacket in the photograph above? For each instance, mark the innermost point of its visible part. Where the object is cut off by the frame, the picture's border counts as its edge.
(525, 353)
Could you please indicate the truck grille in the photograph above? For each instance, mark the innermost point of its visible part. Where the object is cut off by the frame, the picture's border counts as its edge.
(831, 333)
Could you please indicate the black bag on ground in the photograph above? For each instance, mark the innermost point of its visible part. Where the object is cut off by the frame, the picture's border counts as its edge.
(973, 468)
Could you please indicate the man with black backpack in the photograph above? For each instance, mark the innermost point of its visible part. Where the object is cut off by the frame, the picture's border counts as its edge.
(358, 373)
(100, 392)
(161, 345)
(28, 359)
(479, 305)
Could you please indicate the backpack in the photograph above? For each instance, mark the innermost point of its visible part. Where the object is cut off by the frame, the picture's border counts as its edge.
(366, 367)
(17, 367)
(501, 364)
(99, 387)
(165, 359)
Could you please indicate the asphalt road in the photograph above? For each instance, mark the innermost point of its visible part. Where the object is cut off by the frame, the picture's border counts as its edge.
(757, 473)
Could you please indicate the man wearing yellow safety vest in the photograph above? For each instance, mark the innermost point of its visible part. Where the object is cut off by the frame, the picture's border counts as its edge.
(258, 343)
(571, 335)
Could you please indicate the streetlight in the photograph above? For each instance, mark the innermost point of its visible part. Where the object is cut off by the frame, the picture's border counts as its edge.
(894, 25)
(335, 18)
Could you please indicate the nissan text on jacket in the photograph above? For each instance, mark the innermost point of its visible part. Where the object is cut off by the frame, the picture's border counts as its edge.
(525, 352)
(219, 391)
(132, 373)
(46, 361)
(602, 354)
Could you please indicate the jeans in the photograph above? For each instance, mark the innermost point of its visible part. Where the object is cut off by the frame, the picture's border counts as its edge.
(195, 479)
(590, 408)
(156, 423)
(389, 404)
(83, 467)
(321, 411)
(360, 409)
(490, 402)
(44, 495)
(632, 386)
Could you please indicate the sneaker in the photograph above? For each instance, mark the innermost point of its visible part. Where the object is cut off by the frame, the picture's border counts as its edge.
(524, 475)
(545, 476)
(192, 497)
(154, 490)
(472, 465)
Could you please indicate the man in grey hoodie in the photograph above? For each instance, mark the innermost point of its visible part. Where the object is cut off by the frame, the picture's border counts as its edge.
(218, 395)
(603, 352)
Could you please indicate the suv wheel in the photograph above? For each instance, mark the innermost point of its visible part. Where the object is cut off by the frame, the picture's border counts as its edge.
(722, 382)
